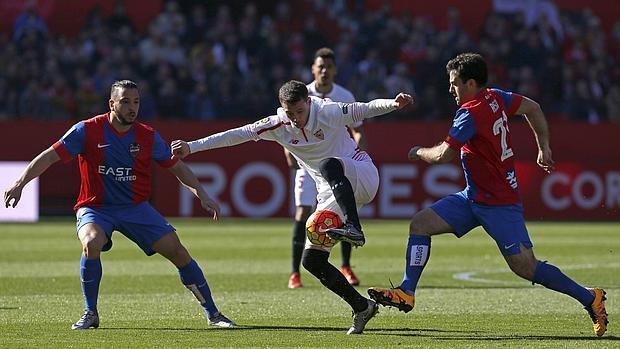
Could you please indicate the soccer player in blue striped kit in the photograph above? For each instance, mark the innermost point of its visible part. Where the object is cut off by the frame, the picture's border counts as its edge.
(115, 155)
(491, 198)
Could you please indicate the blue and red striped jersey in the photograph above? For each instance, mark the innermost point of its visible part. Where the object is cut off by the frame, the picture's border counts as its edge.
(115, 168)
(480, 130)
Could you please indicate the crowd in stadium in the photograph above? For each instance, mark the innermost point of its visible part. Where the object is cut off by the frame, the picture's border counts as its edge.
(229, 63)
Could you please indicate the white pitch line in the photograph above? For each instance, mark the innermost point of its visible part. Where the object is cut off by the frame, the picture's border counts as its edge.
(470, 276)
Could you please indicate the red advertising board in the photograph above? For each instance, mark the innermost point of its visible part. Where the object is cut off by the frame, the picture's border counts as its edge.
(252, 180)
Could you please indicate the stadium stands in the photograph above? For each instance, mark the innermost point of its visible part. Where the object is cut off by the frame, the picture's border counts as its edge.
(226, 60)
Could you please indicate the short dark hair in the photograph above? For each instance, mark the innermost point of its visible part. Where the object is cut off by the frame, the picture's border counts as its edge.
(122, 84)
(293, 91)
(325, 53)
(469, 66)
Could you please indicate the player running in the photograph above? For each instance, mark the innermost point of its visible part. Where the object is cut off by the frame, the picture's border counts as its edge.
(115, 155)
(315, 132)
(324, 71)
(491, 198)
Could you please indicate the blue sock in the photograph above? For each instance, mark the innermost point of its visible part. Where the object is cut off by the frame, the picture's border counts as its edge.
(193, 278)
(552, 278)
(418, 251)
(90, 274)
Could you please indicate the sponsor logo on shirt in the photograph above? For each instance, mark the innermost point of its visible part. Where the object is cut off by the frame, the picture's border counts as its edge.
(319, 134)
(120, 174)
(134, 149)
(294, 141)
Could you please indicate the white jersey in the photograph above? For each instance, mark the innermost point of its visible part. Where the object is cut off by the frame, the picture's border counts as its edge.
(323, 136)
(337, 94)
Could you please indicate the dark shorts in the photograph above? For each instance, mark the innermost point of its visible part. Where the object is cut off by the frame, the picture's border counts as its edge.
(142, 224)
(505, 224)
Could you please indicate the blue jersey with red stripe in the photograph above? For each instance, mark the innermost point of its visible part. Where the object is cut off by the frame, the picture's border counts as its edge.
(115, 168)
(480, 130)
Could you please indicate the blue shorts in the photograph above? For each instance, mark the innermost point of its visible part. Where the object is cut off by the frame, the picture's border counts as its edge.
(142, 224)
(505, 224)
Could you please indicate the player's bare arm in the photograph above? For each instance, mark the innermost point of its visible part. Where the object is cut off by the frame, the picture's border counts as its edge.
(36, 168)
(180, 148)
(439, 154)
(538, 123)
(189, 180)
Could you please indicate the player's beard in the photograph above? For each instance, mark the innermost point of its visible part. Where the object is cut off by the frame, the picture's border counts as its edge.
(127, 119)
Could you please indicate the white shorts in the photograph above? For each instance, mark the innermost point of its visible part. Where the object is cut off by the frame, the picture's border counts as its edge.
(364, 178)
(305, 189)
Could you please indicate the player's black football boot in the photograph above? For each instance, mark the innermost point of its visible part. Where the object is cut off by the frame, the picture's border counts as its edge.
(348, 233)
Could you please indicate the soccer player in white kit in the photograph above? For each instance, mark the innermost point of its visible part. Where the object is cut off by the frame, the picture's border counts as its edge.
(323, 86)
(314, 131)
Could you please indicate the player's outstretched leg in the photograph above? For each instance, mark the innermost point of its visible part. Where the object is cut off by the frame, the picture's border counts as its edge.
(351, 232)
(316, 262)
(402, 297)
(193, 278)
(593, 300)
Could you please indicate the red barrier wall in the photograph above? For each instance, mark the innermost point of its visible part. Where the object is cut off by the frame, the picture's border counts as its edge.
(252, 179)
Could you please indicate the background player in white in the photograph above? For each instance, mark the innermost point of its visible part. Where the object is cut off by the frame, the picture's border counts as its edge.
(324, 71)
(315, 132)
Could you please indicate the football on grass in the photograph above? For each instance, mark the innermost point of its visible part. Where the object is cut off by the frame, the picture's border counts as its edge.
(318, 224)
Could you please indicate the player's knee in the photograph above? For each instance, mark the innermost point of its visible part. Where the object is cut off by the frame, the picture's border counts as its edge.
(331, 169)
(92, 245)
(314, 260)
(418, 226)
(179, 256)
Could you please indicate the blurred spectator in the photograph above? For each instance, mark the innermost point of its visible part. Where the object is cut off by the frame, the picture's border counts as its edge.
(199, 103)
(29, 23)
(148, 105)
(119, 18)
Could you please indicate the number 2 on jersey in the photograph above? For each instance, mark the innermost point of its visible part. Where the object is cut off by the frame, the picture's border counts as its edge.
(500, 127)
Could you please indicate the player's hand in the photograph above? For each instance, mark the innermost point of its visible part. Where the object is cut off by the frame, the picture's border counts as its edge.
(544, 160)
(402, 100)
(413, 153)
(211, 206)
(180, 148)
(14, 193)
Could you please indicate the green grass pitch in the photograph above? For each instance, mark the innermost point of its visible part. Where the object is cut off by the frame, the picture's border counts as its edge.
(467, 297)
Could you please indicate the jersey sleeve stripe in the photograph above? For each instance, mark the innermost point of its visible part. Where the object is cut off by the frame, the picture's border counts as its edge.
(515, 104)
(60, 149)
(272, 127)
